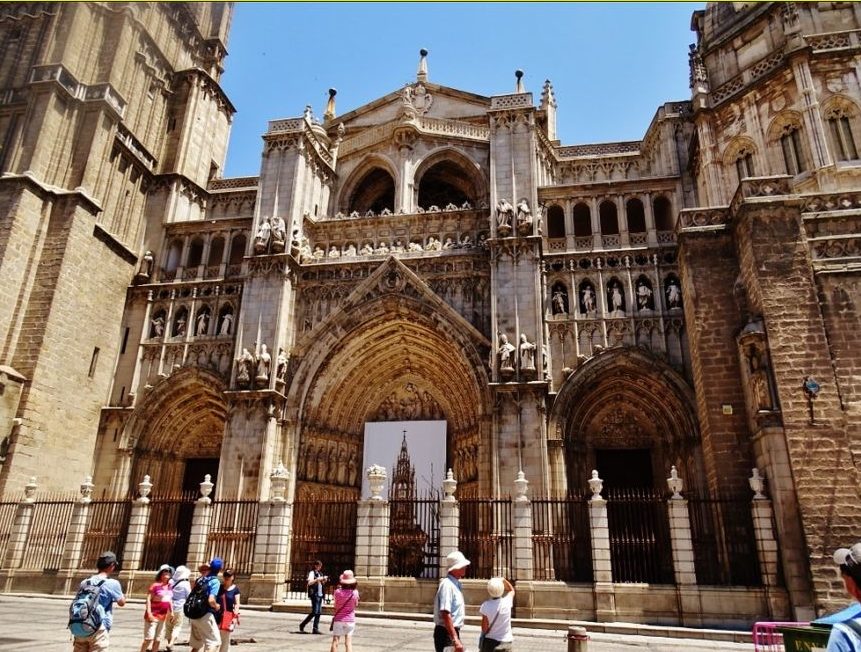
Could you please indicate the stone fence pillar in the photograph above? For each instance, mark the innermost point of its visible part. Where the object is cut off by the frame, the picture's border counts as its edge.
(449, 521)
(138, 522)
(766, 542)
(681, 542)
(200, 523)
(21, 527)
(522, 508)
(372, 528)
(271, 566)
(74, 546)
(602, 569)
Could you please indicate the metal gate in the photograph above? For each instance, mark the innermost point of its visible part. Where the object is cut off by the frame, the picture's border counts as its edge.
(640, 548)
(107, 527)
(561, 539)
(486, 537)
(168, 532)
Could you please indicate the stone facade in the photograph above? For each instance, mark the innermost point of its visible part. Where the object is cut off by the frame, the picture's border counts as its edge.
(687, 300)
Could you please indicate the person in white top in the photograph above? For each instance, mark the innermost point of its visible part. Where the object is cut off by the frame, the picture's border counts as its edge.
(181, 588)
(496, 616)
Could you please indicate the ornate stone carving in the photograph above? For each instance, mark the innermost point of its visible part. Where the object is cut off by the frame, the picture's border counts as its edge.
(261, 239)
(505, 354)
(244, 369)
(408, 404)
(524, 217)
(504, 217)
(263, 363)
(527, 354)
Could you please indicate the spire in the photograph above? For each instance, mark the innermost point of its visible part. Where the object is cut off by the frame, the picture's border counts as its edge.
(330, 106)
(518, 87)
(548, 105)
(422, 74)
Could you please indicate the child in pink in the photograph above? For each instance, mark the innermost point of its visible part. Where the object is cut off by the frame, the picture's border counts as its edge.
(344, 618)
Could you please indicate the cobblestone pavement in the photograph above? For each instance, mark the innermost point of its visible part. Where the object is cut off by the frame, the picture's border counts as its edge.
(33, 623)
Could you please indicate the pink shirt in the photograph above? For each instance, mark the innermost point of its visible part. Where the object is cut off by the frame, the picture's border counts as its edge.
(345, 605)
(160, 600)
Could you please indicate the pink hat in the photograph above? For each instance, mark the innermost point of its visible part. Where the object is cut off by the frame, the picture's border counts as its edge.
(347, 577)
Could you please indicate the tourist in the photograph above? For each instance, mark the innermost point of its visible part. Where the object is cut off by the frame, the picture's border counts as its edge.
(449, 608)
(496, 616)
(846, 636)
(316, 579)
(204, 629)
(228, 598)
(109, 592)
(159, 599)
(344, 618)
(181, 586)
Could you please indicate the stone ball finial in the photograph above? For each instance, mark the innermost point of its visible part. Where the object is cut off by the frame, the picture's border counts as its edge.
(333, 92)
(423, 52)
(518, 74)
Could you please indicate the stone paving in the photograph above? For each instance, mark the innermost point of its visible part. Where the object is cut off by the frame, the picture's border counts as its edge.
(39, 623)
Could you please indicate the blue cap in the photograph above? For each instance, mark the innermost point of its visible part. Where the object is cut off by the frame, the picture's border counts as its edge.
(215, 565)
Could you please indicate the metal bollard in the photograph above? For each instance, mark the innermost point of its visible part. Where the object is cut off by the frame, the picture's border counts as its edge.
(578, 639)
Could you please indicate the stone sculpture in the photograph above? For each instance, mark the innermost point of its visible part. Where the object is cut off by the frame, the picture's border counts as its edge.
(243, 368)
(226, 324)
(560, 302)
(264, 360)
(504, 217)
(147, 263)
(524, 217)
(261, 240)
(505, 352)
(281, 367)
(588, 296)
(279, 234)
(527, 354)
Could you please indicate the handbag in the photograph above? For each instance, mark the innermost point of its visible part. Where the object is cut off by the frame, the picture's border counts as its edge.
(229, 620)
(343, 606)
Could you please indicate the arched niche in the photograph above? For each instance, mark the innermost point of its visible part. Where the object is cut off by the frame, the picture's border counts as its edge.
(448, 177)
(371, 187)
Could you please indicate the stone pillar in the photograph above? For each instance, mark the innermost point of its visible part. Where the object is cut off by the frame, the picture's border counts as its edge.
(602, 570)
(684, 570)
(522, 507)
(766, 543)
(272, 542)
(200, 522)
(21, 527)
(70, 562)
(449, 521)
(372, 533)
(138, 522)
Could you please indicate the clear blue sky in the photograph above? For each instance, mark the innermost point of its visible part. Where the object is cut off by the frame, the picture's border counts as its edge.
(611, 64)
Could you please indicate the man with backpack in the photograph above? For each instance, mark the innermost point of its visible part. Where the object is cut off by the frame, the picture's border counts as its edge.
(91, 612)
(201, 608)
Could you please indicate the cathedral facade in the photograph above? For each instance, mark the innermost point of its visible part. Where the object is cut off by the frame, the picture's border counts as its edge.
(687, 300)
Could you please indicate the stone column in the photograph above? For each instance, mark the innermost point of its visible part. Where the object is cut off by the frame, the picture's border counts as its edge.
(21, 527)
(70, 562)
(651, 229)
(449, 521)
(200, 523)
(684, 570)
(766, 543)
(272, 542)
(138, 522)
(602, 570)
(522, 530)
(372, 533)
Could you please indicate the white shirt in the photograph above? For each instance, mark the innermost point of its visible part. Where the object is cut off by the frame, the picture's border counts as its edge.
(501, 629)
(180, 592)
(313, 575)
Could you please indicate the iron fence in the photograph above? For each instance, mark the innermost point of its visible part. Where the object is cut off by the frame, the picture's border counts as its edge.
(724, 541)
(168, 531)
(107, 527)
(231, 533)
(414, 538)
(486, 537)
(7, 519)
(561, 539)
(640, 548)
(324, 530)
(47, 535)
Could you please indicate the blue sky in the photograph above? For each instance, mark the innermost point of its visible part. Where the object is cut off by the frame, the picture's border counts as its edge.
(611, 64)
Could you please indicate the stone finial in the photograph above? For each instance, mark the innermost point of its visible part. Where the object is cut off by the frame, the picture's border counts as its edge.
(30, 490)
(330, 106)
(675, 483)
(422, 73)
(87, 489)
(376, 479)
(518, 85)
(548, 96)
(596, 485)
(521, 485)
(757, 485)
(278, 483)
(449, 486)
(144, 489)
(206, 489)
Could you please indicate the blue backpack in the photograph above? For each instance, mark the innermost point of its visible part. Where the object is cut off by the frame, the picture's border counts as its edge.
(86, 613)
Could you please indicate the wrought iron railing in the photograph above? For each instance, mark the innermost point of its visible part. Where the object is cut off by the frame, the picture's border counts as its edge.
(231, 533)
(7, 518)
(47, 535)
(640, 548)
(168, 531)
(107, 527)
(561, 539)
(486, 536)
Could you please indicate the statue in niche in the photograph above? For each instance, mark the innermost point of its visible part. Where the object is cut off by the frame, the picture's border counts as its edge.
(261, 240)
(157, 326)
(674, 294)
(305, 253)
(527, 354)
(505, 352)
(244, 365)
(202, 322)
(414, 247)
(264, 360)
(398, 247)
(382, 249)
(587, 297)
(281, 367)
(179, 326)
(466, 243)
(226, 323)
(615, 298)
(433, 244)
(504, 217)
(759, 386)
(524, 217)
(645, 299)
(366, 249)
(147, 264)
(322, 464)
(279, 233)
(318, 253)
(448, 244)
(333, 252)
(352, 468)
(342, 467)
(351, 251)
(560, 301)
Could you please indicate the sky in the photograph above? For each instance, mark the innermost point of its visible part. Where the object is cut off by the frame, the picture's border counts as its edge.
(611, 64)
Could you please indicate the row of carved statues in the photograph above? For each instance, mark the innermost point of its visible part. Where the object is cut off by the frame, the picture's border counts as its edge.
(508, 218)
(509, 357)
(253, 369)
(419, 210)
(328, 463)
(203, 324)
(644, 296)
(271, 236)
(301, 248)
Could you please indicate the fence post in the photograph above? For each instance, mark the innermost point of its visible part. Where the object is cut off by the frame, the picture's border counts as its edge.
(522, 529)
(271, 564)
(681, 541)
(138, 522)
(602, 569)
(21, 527)
(200, 521)
(449, 521)
(74, 546)
(372, 531)
(766, 543)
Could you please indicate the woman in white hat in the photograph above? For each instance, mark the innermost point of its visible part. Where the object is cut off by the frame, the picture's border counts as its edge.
(344, 618)
(181, 586)
(496, 616)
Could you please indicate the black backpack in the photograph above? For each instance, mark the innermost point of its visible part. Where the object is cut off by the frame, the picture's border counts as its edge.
(197, 603)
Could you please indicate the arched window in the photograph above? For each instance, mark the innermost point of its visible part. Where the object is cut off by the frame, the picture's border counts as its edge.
(555, 222)
(195, 252)
(216, 251)
(840, 130)
(609, 218)
(663, 211)
(174, 254)
(446, 183)
(636, 216)
(790, 145)
(237, 250)
(375, 192)
(582, 220)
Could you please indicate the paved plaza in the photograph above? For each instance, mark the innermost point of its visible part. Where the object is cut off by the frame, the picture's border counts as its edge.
(40, 624)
